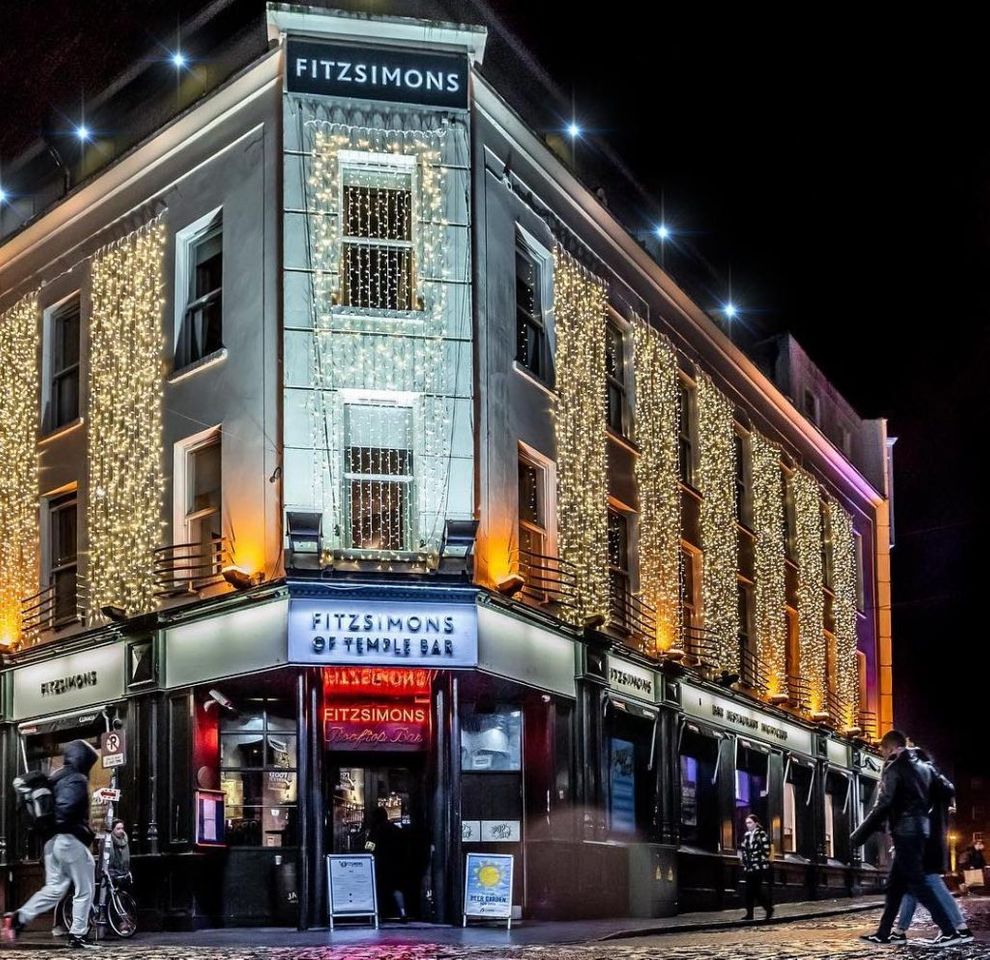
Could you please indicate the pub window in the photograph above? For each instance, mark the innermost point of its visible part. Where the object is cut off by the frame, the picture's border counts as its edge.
(799, 823)
(618, 565)
(744, 494)
(62, 526)
(491, 736)
(686, 437)
(615, 378)
(699, 789)
(533, 351)
(258, 775)
(203, 535)
(752, 773)
(378, 473)
(631, 752)
(860, 570)
(199, 250)
(63, 363)
(377, 258)
(838, 791)
(534, 538)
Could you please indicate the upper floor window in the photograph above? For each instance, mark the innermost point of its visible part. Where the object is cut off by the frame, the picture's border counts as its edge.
(377, 259)
(744, 493)
(688, 427)
(62, 550)
(811, 407)
(63, 363)
(744, 599)
(860, 573)
(790, 518)
(828, 561)
(618, 564)
(199, 258)
(532, 341)
(378, 473)
(690, 580)
(203, 519)
(845, 441)
(615, 378)
(532, 490)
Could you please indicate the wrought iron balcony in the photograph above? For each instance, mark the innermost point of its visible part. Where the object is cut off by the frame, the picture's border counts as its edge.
(57, 605)
(699, 647)
(752, 673)
(799, 692)
(632, 617)
(546, 579)
(870, 725)
(184, 567)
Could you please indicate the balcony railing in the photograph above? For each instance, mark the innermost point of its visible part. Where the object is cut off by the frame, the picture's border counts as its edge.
(870, 725)
(799, 692)
(50, 608)
(547, 579)
(699, 647)
(182, 567)
(634, 617)
(752, 673)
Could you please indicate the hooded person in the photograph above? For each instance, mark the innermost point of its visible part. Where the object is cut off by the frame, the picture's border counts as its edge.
(68, 859)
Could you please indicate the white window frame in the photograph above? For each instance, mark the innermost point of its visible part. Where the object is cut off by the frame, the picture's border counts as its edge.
(185, 242)
(48, 365)
(544, 259)
(182, 480)
(614, 321)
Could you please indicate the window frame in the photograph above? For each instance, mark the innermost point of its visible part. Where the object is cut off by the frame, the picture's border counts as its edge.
(51, 421)
(55, 503)
(620, 573)
(691, 557)
(860, 548)
(546, 470)
(743, 478)
(614, 331)
(687, 439)
(183, 517)
(527, 245)
(812, 410)
(186, 241)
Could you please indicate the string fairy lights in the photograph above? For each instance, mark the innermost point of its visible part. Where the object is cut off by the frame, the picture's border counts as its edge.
(811, 599)
(844, 611)
(579, 303)
(126, 483)
(19, 418)
(770, 593)
(657, 426)
(719, 535)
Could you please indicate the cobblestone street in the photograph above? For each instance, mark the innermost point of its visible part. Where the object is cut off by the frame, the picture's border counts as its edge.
(817, 939)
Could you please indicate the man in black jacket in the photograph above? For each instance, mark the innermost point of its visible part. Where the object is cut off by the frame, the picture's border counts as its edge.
(67, 855)
(903, 802)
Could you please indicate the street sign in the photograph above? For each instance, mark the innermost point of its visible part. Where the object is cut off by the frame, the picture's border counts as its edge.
(106, 794)
(113, 747)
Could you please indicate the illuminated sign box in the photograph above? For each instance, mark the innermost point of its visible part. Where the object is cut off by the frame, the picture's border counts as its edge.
(378, 632)
(385, 725)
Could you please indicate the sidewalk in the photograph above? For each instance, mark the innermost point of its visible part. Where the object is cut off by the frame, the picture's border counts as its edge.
(479, 935)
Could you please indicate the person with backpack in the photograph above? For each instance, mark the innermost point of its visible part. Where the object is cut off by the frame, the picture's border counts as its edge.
(68, 837)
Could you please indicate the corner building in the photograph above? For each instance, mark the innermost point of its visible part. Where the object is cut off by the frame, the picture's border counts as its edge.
(357, 456)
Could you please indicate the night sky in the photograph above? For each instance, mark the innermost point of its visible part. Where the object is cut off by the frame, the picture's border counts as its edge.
(839, 166)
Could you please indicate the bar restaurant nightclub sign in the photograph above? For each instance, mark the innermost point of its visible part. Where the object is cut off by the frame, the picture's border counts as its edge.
(398, 633)
(376, 73)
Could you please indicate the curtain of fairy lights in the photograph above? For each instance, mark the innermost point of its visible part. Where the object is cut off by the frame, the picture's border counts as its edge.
(126, 483)
(657, 426)
(770, 594)
(377, 231)
(19, 418)
(579, 305)
(811, 599)
(844, 611)
(719, 535)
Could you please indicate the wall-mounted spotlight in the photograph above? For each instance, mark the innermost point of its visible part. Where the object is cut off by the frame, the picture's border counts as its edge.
(116, 614)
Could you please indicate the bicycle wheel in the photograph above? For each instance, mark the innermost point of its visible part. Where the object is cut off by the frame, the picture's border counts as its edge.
(65, 911)
(122, 913)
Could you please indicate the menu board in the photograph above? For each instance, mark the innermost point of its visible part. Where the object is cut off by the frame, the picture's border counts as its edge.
(488, 887)
(351, 882)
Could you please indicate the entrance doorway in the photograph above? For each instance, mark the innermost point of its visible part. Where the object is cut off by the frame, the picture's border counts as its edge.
(357, 788)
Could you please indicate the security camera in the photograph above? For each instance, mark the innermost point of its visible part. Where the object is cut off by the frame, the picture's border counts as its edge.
(216, 697)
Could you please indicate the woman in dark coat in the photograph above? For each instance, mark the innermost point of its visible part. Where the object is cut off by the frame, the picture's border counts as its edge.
(754, 853)
(385, 841)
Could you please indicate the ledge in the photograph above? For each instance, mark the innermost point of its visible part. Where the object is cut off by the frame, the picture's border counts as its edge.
(533, 379)
(210, 360)
(69, 427)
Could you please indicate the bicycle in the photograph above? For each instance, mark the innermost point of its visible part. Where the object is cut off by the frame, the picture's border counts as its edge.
(121, 908)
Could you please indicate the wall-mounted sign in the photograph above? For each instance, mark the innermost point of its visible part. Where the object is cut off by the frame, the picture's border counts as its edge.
(351, 882)
(210, 819)
(106, 795)
(488, 887)
(398, 633)
(68, 683)
(385, 725)
(632, 680)
(738, 718)
(376, 73)
(838, 753)
(500, 831)
(113, 749)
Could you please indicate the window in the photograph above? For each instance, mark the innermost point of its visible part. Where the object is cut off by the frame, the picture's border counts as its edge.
(790, 518)
(792, 652)
(860, 573)
(201, 324)
(203, 518)
(690, 559)
(533, 535)
(699, 794)
(532, 343)
(810, 406)
(828, 565)
(615, 379)
(631, 776)
(752, 773)
(618, 565)
(378, 473)
(747, 658)
(744, 498)
(491, 736)
(687, 431)
(845, 441)
(62, 557)
(258, 775)
(376, 262)
(64, 364)
(838, 791)
(799, 824)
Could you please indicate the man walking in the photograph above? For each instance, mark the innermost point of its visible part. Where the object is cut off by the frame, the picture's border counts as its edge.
(903, 800)
(67, 855)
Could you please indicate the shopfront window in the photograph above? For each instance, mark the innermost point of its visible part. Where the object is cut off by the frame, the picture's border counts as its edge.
(837, 805)
(258, 775)
(751, 787)
(491, 737)
(631, 744)
(873, 848)
(799, 825)
(699, 790)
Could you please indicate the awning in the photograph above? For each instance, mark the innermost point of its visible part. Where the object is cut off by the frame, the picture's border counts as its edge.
(64, 721)
(633, 708)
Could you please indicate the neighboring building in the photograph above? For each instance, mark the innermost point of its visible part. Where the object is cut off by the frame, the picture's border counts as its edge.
(356, 456)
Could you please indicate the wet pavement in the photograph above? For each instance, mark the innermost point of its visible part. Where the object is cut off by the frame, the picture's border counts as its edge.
(820, 938)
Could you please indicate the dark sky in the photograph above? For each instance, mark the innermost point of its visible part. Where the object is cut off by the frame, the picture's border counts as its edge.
(839, 162)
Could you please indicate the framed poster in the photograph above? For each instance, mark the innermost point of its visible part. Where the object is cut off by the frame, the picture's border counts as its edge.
(351, 886)
(211, 820)
(488, 887)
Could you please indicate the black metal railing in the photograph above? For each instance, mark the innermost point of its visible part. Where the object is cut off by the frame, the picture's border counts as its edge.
(181, 567)
(799, 692)
(634, 617)
(547, 579)
(752, 673)
(699, 647)
(54, 606)
(869, 724)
